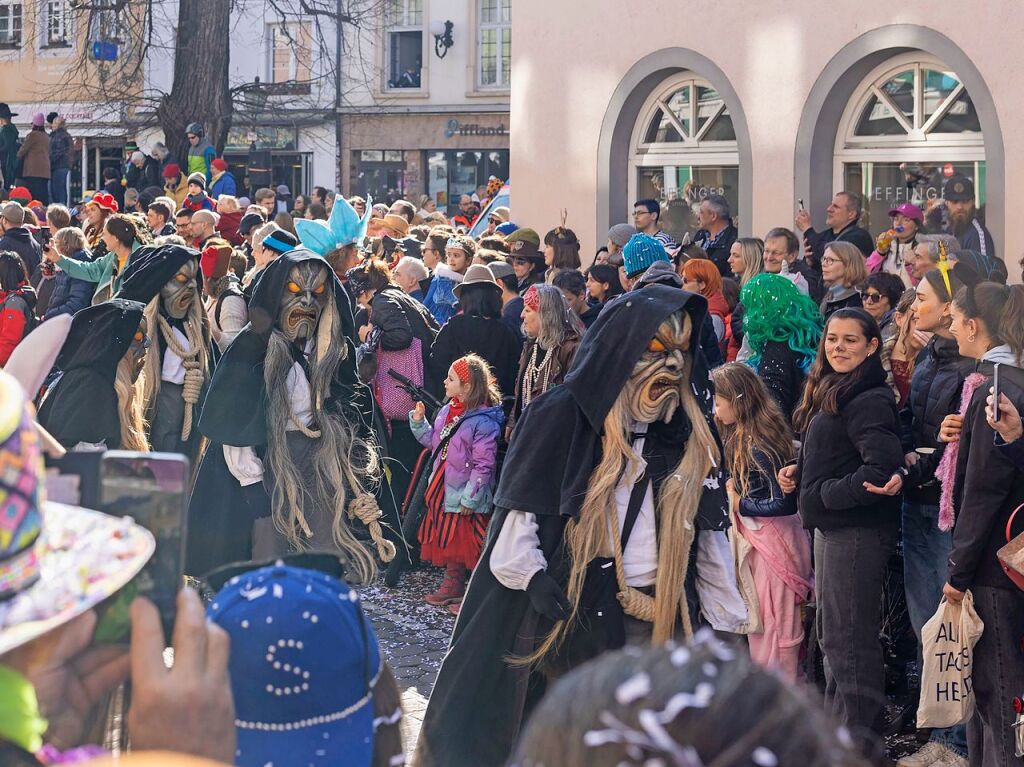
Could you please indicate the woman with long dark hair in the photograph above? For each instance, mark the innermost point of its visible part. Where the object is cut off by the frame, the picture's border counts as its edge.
(477, 329)
(850, 430)
(17, 303)
(981, 487)
(603, 283)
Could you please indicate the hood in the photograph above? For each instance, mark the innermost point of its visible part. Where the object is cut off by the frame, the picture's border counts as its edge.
(1002, 355)
(100, 336)
(149, 268)
(660, 273)
(266, 298)
(19, 234)
(615, 342)
(494, 413)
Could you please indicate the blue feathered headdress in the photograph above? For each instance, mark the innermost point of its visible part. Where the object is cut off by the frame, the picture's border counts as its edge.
(344, 227)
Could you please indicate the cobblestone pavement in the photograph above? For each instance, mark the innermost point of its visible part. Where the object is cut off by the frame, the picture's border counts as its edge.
(413, 637)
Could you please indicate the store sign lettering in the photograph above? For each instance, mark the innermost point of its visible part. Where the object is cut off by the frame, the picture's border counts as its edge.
(455, 128)
(901, 193)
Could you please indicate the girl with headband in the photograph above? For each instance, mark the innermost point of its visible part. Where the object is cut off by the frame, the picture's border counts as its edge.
(464, 444)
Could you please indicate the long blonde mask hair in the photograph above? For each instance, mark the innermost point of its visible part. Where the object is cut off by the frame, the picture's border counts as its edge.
(129, 406)
(197, 322)
(587, 536)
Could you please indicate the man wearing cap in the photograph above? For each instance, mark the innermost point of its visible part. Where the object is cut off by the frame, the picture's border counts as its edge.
(225, 307)
(496, 218)
(142, 171)
(511, 301)
(175, 185)
(197, 199)
(62, 155)
(640, 252)
(958, 194)
(842, 216)
(895, 246)
(34, 155)
(17, 237)
(223, 181)
(8, 144)
(526, 258)
(247, 227)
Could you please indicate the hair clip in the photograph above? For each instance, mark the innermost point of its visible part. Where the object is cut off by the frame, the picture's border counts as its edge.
(944, 267)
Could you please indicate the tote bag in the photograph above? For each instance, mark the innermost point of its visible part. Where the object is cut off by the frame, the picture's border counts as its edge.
(395, 402)
(948, 639)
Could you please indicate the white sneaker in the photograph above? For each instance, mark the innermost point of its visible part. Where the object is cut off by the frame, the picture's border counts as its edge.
(951, 759)
(930, 753)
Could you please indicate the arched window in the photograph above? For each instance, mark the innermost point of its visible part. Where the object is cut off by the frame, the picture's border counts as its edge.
(909, 127)
(683, 149)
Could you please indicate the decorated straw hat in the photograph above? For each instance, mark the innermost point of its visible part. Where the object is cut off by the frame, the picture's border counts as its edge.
(56, 561)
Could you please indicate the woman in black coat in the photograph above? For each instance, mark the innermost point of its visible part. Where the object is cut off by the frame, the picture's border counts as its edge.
(851, 438)
(477, 329)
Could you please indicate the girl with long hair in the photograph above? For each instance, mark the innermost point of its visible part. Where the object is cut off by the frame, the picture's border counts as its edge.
(782, 328)
(603, 283)
(700, 275)
(561, 251)
(746, 258)
(844, 272)
(851, 437)
(459, 492)
(757, 443)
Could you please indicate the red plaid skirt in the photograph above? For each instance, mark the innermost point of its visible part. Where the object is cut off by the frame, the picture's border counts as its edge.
(447, 538)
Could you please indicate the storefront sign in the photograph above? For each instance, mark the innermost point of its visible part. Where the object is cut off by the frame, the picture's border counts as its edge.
(455, 128)
(897, 194)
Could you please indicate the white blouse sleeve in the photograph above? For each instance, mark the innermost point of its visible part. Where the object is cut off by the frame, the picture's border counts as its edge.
(234, 315)
(516, 556)
(244, 465)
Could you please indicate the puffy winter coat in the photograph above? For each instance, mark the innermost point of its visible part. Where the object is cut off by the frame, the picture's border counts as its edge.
(440, 300)
(939, 374)
(16, 308)
(223, 183)
(69, 295)
(472, 456)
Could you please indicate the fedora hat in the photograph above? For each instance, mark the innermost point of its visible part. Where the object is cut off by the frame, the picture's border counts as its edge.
(477, 274)
(5, 111)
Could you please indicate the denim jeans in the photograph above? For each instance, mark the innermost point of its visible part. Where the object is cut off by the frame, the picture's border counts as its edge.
(59, 185)
(849, 570)
(925, 551)
(998, 671)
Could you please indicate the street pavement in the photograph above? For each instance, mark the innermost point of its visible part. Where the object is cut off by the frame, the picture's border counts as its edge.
(413, 637)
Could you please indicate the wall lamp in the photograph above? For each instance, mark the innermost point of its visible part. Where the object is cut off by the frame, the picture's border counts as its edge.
(442, 32)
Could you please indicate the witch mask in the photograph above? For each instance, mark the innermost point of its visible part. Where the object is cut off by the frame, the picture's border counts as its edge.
(180, 291)
(654, 390)
(304, 300)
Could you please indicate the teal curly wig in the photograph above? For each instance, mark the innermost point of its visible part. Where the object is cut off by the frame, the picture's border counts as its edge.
(775, 310)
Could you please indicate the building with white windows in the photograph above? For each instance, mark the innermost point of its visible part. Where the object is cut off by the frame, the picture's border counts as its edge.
(427, 100)
(769, 104)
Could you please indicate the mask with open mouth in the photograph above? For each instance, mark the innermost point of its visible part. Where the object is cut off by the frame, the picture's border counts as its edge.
(306, 294)
(180, 291)
(654, 390)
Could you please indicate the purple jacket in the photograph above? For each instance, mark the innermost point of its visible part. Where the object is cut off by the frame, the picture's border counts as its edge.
(472, 456)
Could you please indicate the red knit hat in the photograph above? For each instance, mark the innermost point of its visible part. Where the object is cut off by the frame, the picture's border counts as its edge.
(219, 164)
(20, 194)
(172, 170)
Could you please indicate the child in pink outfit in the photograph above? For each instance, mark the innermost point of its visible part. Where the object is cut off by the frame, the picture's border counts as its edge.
(771, 540)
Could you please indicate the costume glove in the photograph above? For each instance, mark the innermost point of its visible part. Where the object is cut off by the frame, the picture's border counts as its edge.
(258, 500)
(547, 597)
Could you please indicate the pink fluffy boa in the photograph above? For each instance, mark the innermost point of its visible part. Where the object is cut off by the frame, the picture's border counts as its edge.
(946, 473)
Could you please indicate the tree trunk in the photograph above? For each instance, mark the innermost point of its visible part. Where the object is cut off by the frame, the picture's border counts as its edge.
(200, 92)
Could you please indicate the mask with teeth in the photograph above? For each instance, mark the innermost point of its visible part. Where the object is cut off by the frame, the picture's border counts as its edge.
(653, 391)
(306, 295)
(180, 291)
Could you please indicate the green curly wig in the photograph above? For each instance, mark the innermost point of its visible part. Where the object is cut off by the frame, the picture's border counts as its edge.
(775, 310)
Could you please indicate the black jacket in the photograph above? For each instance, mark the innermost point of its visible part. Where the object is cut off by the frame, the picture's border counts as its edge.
(20, 240)
(779, 368)
(401, 318)
(764, 497)
(989, 486)
(939, 374)
(815, 286)
(491, 338)
(848, 298)
(852, 233)
(719, 251)
(840, 452)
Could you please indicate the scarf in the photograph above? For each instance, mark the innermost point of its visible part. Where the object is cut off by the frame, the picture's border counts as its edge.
(946, 473)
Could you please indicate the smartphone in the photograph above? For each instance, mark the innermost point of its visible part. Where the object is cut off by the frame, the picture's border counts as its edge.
(800, 203)
(74, 478)
(152, 489)
(995, 393)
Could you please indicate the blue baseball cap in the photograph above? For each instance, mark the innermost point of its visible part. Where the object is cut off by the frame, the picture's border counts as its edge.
(506, 229)
(640, 252)
(304, 664)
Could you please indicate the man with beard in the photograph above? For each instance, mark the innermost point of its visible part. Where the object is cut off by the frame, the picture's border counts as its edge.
(608, 482)
(167, 280)
(958, 194)
(96, 399)
(291, 463)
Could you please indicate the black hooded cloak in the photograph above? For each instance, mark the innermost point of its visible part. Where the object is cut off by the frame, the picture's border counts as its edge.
(82, 405)
(151, 267)
(480, 703)
(221, 513)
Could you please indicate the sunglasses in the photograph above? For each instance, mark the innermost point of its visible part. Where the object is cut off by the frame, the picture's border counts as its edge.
(192, 137)
(872, 298)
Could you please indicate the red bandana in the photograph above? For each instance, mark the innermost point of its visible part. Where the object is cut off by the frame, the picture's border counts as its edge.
(461, 368)
(531, 299)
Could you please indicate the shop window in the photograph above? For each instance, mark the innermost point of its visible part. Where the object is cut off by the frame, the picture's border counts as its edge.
(10, 24)
(380, 173)
(684, 149)
(404, 43)
(290, 52)
(909, 126)
(451, 174)
(495, 43)
(56, 24)
(106, 25)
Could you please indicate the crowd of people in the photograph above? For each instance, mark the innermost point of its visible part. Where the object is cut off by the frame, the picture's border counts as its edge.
(738, 434)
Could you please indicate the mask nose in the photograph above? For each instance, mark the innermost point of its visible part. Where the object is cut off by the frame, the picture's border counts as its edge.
(674, 361)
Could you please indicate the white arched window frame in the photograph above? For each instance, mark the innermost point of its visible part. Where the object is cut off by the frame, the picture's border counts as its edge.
(921, 138)
(693, 109)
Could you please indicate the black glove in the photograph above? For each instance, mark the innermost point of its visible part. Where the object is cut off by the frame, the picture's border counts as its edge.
(547, 597)
(258, 500)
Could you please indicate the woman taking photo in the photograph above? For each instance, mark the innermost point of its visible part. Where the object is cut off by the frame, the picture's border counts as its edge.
(122, 236)
(981, 488)
(553, 333)
(783, 329)
(850, 430)
(844, 273)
